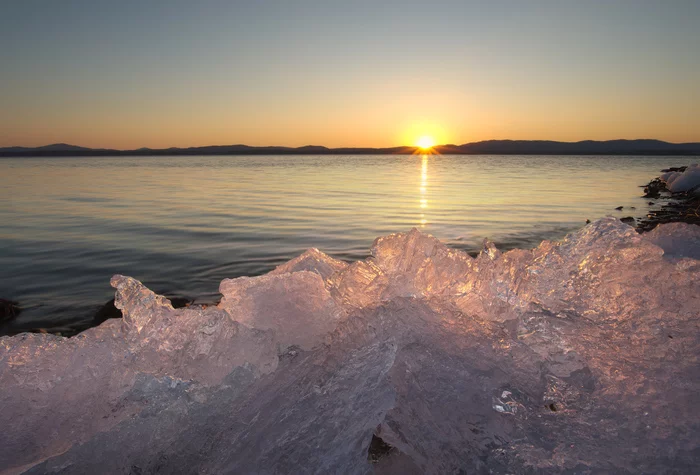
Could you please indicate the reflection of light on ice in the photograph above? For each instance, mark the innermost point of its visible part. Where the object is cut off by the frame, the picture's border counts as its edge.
(434, 307)
(423, 188)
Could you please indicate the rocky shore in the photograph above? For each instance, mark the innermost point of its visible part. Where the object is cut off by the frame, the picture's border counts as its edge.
(679, 189)
(578, 356)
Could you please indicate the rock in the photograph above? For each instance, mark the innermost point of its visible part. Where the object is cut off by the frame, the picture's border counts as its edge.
(619, 208)
(588, 221)
(674, 169)
(654, 188)
(419, 359)
(628, 220)
(683, 185)
(180, 302)
(108, 310)
(8, 310)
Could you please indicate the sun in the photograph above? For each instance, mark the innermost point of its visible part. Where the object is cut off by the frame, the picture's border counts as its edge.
(425, 142)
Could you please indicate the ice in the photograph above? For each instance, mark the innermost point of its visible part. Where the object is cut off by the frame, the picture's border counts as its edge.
(188, 343)
(678, 240)
(402, 265)
(688, 180)
(312, 260)
(576, 356)
(296, 306)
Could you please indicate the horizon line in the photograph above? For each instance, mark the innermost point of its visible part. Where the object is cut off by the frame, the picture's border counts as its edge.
(416, 147)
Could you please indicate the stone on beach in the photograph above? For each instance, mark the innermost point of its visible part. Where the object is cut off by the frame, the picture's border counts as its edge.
(578, 355)
(681, 185)
(9, 309)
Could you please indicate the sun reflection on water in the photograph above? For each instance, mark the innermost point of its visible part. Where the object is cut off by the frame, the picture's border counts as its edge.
(424, 189)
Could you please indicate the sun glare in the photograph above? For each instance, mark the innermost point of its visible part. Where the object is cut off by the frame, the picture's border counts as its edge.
(425, 142)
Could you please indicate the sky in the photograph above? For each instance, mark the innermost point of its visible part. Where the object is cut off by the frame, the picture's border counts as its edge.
(131, 74)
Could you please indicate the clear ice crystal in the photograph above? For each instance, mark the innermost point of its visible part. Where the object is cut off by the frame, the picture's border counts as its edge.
(576, 356)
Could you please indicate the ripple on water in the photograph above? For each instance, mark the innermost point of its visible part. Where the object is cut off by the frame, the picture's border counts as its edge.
(182, 224)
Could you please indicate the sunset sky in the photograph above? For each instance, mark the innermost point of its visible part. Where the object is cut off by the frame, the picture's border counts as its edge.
(129, 74)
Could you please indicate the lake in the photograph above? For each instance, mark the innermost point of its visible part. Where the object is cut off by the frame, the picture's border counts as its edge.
(182, 224)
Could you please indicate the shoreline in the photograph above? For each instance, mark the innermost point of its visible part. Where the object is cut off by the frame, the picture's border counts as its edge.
(683, 207)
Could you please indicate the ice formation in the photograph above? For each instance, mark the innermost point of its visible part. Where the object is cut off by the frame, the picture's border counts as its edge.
(685, 181)
(577, 356)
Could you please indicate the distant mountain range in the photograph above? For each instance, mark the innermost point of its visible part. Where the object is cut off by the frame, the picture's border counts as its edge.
(488, 147)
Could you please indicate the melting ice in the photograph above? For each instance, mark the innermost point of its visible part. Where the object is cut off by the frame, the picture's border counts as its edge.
(579, 355)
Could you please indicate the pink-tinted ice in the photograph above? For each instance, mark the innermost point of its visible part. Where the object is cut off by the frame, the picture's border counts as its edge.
(578, 356)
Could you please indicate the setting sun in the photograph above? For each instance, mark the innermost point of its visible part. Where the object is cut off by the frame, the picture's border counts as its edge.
(425, 142)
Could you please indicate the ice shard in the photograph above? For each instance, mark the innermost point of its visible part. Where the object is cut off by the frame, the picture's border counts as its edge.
(296, 306)
(578, 356)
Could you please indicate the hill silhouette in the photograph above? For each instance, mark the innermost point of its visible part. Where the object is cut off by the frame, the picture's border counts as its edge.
(487, 147)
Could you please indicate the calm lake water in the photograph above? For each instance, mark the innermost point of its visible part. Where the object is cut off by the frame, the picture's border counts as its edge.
(182, 224)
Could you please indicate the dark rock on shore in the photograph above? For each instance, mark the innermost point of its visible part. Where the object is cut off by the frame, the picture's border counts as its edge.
(674, 169)
(8, 310)
(684, 207)
(654, 188)
(106, 312)
(628, 220)
(685, 210)
(619, 208)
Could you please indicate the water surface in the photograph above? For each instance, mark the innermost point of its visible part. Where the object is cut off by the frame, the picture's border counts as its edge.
(181, 224)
